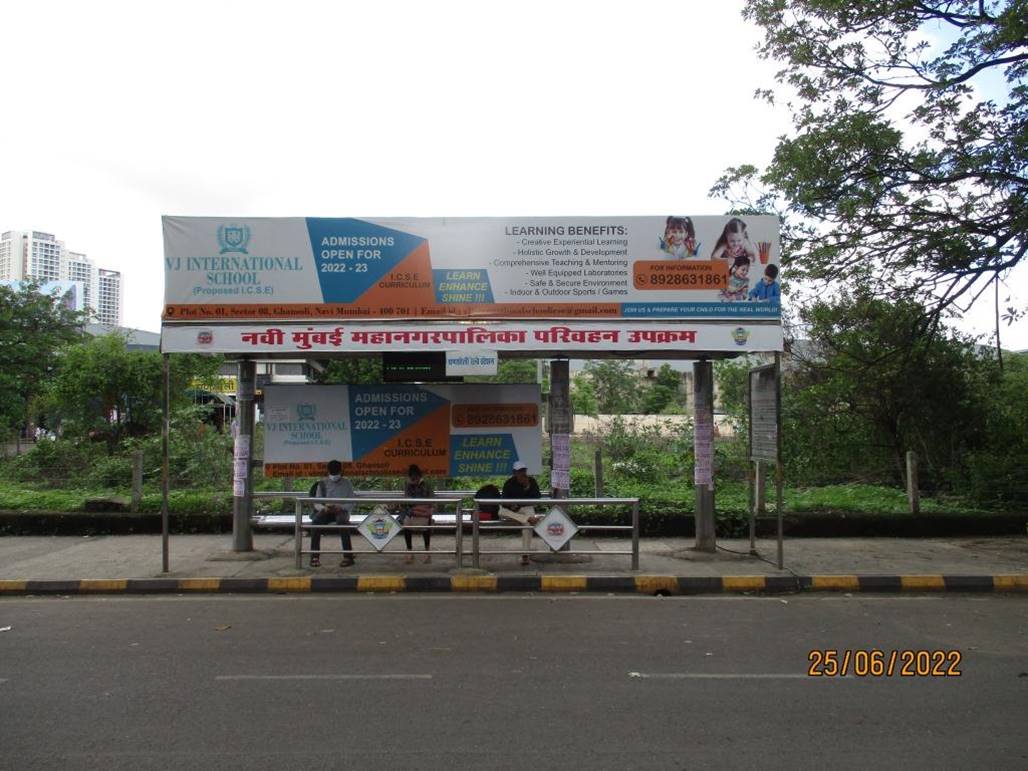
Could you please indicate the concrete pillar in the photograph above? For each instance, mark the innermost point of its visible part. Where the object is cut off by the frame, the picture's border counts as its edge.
(703, 447)
(560, 428)
(242, 471)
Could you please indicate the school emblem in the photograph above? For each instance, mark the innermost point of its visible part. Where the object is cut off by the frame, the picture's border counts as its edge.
(306, 411)
(740, 335)
(233, 238)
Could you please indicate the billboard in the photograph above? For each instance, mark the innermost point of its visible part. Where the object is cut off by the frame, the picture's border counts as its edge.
(379, 430)
(661, 267)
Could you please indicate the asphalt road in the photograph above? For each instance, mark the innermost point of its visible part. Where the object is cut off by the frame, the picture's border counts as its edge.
(431, 681)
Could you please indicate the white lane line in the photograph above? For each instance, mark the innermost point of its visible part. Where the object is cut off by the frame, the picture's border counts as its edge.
(324, 677)
(727, 676)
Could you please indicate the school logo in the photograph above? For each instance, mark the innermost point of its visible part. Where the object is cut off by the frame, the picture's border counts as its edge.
(306, 411)
(204, 337)
(233, 238)
(740, 335)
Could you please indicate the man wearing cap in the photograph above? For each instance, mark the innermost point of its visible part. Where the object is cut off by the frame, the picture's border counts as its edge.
(521, 485)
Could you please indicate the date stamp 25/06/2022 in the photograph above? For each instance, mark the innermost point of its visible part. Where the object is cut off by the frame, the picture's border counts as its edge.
(849, 662)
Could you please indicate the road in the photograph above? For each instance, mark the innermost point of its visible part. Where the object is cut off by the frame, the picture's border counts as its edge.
(433, 681)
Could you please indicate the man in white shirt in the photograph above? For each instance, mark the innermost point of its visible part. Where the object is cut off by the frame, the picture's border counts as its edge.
(335, 485)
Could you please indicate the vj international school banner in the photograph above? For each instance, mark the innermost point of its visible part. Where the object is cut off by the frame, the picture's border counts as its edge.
(379, 430)
(591, 267)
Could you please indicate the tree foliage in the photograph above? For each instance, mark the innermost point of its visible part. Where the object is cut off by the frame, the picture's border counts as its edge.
(583, 395)
(907, 171)
(100, 387)
(33, 328)
(616, 385)
(872, 385)
(665, 393)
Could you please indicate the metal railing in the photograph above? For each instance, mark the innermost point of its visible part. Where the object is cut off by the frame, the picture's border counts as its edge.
(455, 499)
(564, 504)
(300, 526)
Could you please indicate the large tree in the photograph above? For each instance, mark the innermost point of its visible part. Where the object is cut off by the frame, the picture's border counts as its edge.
(33, 328)
(907, 171)
(870, 384)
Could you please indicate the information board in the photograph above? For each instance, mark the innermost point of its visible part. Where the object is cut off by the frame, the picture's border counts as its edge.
(379, 430)
(670, 267)
(764, 414)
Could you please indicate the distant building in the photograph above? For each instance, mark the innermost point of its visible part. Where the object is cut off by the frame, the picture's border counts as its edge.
(32, 254)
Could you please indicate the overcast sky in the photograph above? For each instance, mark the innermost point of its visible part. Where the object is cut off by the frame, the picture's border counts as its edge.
(119, 112)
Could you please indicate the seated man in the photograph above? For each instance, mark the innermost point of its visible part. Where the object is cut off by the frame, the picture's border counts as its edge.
(335, 485)
(487, 512)
(521, 485)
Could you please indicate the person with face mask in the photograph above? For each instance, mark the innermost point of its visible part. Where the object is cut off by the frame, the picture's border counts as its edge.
(334, 485)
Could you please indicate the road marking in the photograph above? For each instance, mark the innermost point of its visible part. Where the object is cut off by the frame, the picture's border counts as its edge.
(728, 676)
(324, 677)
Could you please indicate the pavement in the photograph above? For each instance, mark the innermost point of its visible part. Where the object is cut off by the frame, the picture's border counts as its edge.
(206, 563)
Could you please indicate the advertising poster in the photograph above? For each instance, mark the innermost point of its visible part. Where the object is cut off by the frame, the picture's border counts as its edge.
(659, 267)
(448, 430)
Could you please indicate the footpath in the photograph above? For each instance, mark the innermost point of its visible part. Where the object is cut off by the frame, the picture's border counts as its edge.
(31, 565)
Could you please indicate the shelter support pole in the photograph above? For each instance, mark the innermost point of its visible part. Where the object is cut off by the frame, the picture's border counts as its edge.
(779, 472)
(242, 470)
(165, 432)
(703, 446)
(561, 417)
(559, 425)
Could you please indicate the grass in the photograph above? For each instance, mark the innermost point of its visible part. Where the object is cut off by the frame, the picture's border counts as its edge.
(668, 497)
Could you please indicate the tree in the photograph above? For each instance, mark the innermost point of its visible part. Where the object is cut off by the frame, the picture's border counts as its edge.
(583, 395)
(102, 388)
(33, 328)
(665, 393)
(356, 371)
(872, 385)
(616, 384)
(907, 172)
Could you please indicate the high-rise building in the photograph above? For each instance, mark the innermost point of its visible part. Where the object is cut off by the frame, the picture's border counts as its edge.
(36, 255)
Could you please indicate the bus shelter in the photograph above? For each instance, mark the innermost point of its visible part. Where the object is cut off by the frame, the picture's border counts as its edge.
(464, 293)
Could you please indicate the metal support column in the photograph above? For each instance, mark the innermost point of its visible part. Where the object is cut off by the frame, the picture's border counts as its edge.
(242, 471)
(703, 445)
(165, 432)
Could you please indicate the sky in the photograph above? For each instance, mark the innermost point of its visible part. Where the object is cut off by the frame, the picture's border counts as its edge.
(119, 112)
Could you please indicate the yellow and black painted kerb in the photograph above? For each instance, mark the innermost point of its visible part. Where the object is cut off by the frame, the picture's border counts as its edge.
(632, 584)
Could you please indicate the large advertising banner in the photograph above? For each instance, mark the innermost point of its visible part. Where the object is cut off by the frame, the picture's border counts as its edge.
(663, 267)
(379, 430)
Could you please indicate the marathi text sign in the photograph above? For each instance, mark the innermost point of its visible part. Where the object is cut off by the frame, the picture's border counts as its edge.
(302, 339)
(560, 267)
(764, 417)
(448, 430)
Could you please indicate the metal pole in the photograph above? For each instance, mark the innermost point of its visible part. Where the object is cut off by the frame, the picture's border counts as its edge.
(474, 537)
(703, 446)
(242, 472)
(779, 476)
(298, 537)
(751, 495)
(635, 535)
(761, 492)
(460, 535)
(165, 432)
(778, 510)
